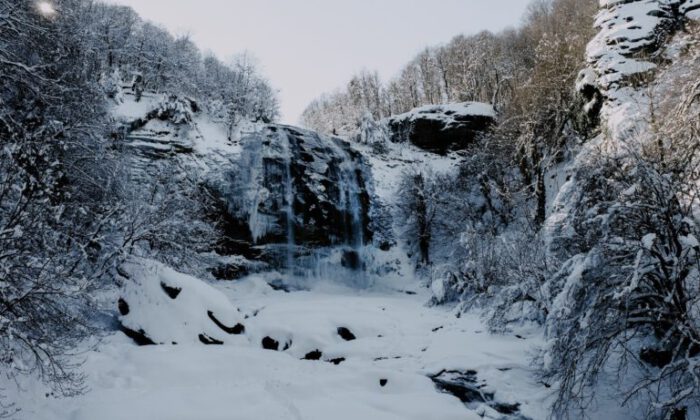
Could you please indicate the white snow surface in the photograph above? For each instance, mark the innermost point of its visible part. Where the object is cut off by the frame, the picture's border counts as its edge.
(398, 339)
(448, 112)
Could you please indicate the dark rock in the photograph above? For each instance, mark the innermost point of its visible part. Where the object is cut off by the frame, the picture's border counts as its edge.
(462, 385)
(378, 359)
(351, 259)
(505, 408)
(230, 272)
(346, 334)
(336, 361)
(235, 330)
(205, 339)
(269, 343)
(385, 245)
(139, 336)
(287, 345)
(466, 387)
(123, 307)
(173, 292)
(442, 128)
(383, 382)
(313, 355)
(281, 286)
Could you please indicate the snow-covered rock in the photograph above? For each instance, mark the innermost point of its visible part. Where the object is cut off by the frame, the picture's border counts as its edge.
(442, 128)
(631, 32)
(164, 127)
(158, 305)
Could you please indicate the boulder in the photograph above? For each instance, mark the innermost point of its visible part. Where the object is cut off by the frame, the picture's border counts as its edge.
(442, 128)
(159, 305)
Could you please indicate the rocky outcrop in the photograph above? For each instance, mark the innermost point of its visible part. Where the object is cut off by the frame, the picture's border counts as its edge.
(442, 128)
(626, 49)
(293, 189)
(166, 130)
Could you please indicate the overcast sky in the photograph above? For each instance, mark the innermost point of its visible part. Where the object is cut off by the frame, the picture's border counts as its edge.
(308, 47)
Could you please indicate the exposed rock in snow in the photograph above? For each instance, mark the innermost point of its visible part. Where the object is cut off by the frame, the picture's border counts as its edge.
(466, 387)
(442, 128)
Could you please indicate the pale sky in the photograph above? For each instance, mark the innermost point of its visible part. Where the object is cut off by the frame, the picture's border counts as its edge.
(309, 47)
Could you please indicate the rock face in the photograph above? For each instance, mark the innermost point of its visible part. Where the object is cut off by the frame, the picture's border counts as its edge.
(288, 198)
(294, 190)
(625, 50)
(164, 131)
(442, 128)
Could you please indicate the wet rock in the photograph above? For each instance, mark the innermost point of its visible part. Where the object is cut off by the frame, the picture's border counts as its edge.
(351, 259)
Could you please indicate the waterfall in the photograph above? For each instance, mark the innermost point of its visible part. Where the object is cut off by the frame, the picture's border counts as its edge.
(305, 201)
(289, 205)
(350, 202)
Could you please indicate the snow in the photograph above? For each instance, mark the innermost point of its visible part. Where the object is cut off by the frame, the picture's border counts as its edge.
(388, 169)
(398, 339)
(586, 77)
(689, 241)
(691, 9)
(179, 319)
(130, 110)
(197, 382)
(648, 240)
(449, 112)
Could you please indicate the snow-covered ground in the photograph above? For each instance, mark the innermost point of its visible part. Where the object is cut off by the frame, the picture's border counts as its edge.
(398, 339)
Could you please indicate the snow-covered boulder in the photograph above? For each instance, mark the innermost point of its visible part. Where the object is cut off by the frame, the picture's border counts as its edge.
(158, 305)
(442, 128)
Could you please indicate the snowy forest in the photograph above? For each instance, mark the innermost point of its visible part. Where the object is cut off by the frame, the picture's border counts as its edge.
(506, 229)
